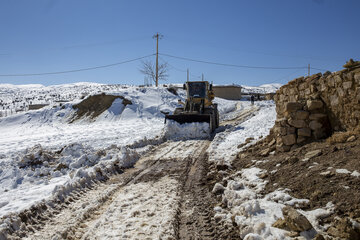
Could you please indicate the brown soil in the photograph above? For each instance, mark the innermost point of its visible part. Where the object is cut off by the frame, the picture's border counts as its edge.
(304, 178)
(94, 105)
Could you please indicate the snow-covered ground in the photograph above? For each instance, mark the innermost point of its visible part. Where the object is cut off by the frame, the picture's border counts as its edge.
(41, 154)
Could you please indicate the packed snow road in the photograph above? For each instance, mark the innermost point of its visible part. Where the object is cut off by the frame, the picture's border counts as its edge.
(164, 196)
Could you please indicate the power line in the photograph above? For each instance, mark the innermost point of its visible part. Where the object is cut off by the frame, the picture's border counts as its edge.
(319, 69)
(74, 70)
(228, 65)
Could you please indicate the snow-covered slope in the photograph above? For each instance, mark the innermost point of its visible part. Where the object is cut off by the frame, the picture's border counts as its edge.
(265, 88)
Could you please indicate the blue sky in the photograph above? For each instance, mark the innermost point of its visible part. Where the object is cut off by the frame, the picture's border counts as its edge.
(48, 36)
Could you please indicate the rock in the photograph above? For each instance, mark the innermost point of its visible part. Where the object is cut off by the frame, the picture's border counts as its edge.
(282, 148)
(295, 221)
(265, 152)
(218, 189)
(351, 139)
(280, 223)
(314, 125)
(314, 104)
(297, 123)
(293, 106)
(334, 100)
(317, 116)
(343, 229)
(290, 130)
(319, 237)
(347, 85)
(301, 115)
(357, 77)
(305, 132)
(289, 139)
(272, 142)
(313, 154)
(300, 139)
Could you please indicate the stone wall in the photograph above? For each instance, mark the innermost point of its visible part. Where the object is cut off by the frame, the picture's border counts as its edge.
(313, 107)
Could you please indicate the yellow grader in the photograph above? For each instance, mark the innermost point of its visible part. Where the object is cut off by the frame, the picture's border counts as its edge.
(198, 106)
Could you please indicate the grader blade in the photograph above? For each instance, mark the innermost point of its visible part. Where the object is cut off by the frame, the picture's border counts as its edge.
(189, 118)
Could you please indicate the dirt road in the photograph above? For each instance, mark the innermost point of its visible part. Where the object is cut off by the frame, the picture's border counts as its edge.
(166, 195)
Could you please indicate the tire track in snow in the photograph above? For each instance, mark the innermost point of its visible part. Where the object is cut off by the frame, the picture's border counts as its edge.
(87, 209)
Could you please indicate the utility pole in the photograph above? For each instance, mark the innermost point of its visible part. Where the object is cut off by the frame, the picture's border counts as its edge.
(309, 69)
(202, 77)
(187, 75)
(157, 36)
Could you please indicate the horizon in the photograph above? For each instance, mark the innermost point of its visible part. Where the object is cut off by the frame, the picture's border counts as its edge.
(206, 37)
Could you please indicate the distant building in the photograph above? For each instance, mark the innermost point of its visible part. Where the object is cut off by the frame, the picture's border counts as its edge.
(230, 92)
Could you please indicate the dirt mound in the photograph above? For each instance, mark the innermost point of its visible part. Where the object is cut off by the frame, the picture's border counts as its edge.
(95, 105)
(324, 171)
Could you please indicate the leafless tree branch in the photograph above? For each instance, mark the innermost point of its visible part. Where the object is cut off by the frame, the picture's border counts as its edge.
(148, 68)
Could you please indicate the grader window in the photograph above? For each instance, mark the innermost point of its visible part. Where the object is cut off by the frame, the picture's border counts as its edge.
(197, 89)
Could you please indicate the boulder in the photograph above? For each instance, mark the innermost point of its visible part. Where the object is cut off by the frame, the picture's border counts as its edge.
(289, 140)
(297, 123)
(305, 132)
(314, 104)
(293, 106)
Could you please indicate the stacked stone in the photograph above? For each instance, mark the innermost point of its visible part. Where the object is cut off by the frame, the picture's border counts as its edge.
(339, 91)
(302, 121)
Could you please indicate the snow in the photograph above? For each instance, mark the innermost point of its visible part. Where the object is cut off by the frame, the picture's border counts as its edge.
(224, 146)
(43, 157)
(137, 207)
(265, 88)
(355, 174)
(177, 131)
(30, 168)
(342, 171)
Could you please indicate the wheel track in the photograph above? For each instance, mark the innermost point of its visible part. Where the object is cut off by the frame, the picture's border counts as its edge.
(70, 219)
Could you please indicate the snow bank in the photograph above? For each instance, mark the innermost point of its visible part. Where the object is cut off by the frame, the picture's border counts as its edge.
(40, 174)
(224, 146)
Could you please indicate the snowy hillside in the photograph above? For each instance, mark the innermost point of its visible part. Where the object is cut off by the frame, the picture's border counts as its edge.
(265, 88)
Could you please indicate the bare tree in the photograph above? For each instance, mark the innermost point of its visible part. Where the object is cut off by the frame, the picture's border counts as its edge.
(148, 68)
